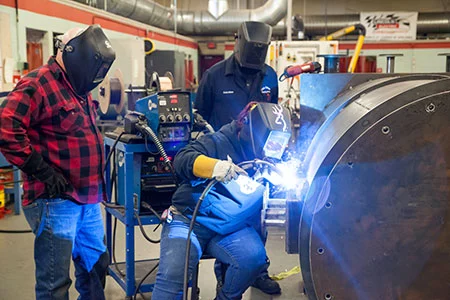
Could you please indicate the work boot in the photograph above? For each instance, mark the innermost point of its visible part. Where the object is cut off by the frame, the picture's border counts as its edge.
(267, 285)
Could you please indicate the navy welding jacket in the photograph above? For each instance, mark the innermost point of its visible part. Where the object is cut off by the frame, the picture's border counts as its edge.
(223, 93)
(220, 211)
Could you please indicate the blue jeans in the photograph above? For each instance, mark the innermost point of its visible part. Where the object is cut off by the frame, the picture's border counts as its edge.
(65, 229)
(220, 268)
(243, 252)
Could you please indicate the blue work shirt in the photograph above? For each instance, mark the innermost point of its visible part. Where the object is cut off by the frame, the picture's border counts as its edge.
(223, 91)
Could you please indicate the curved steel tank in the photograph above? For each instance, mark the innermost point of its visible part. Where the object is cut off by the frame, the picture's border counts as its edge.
(376, 220)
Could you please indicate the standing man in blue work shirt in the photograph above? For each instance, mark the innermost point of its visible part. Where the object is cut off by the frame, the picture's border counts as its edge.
(228, 86)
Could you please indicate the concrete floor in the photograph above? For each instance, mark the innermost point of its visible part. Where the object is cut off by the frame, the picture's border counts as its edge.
(17, 266)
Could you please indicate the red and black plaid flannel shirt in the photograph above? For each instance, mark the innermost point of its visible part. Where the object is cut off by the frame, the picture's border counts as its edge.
(44, 113)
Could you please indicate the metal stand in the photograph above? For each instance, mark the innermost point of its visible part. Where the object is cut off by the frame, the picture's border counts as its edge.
(129, 194)
(390, 61)
(447, 66)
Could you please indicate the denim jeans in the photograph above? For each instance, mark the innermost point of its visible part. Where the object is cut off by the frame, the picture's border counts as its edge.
(221, 268)
(65, 229)
(243, 252)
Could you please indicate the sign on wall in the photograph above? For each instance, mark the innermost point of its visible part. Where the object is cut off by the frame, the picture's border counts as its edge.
(389, 25)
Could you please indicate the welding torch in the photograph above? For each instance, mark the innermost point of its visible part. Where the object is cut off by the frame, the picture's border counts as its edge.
(291, 71)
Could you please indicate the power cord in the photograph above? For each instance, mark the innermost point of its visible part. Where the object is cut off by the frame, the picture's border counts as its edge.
(138, 287)
(16, 231)
(143, 231)
(244, 165)
(188, 241)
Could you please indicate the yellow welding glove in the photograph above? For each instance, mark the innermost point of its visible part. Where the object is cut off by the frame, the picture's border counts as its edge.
(204, 166)
(222, 170)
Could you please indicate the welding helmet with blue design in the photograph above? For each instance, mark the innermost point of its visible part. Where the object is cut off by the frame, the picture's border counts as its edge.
(265, 130)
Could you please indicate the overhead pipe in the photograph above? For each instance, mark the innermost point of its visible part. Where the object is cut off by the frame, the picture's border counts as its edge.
(196, 22)
(272, 12)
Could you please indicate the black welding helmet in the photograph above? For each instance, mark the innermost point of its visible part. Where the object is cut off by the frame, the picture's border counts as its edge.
(87, 58)
(266, 130)
(252, 42)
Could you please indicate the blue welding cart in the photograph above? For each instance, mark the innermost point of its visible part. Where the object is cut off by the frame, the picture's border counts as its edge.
(129, 163)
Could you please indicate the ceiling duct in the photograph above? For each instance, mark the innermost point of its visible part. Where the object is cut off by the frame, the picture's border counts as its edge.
(217, 7)
(218, 21)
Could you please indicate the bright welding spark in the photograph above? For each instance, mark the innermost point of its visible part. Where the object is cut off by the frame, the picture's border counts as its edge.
(289, 170)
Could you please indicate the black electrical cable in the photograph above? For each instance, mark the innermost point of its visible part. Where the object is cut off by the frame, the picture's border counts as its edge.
(114, 249)
(149, 207)
(15, 231)
(146, 147)
(11, 182)
(113, 147)
(138, 287)
(188, 241)
(112, 205)
(148, 131)
(245, 165)
(141, 227)
(196, 136)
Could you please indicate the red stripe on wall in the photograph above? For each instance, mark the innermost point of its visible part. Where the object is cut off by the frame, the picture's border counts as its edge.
(52, 9)
(412, 45)
(229, 47)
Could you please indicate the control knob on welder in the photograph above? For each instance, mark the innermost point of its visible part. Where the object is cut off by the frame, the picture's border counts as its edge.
(162, 118)
(178, 118)
(170, 118)
(186, 118)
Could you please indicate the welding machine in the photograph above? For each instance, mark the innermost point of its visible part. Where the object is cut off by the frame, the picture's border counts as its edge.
(168, 115)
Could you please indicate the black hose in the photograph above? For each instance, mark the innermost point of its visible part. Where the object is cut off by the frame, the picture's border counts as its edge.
(245, 165)
(15, 231)
(141, 227)
(155, 140)
(188, 241)
(147, 130)
(11, 182)
(138, 287)
(114, 249)
(113, 147)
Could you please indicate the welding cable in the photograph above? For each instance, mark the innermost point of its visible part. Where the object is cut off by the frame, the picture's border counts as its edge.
(114, 206)
(141, 227)
(149, 207)
(147, 130)
(244, 165)
(172, 170)
(113, 147)
(16, 231)
(113, 248)
(138, 287)
(11, 182)
(188, 241)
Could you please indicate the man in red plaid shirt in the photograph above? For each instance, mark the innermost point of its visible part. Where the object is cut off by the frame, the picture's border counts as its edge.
(48, 130)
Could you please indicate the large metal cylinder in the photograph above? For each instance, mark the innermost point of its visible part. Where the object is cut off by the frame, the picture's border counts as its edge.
(376, 217)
